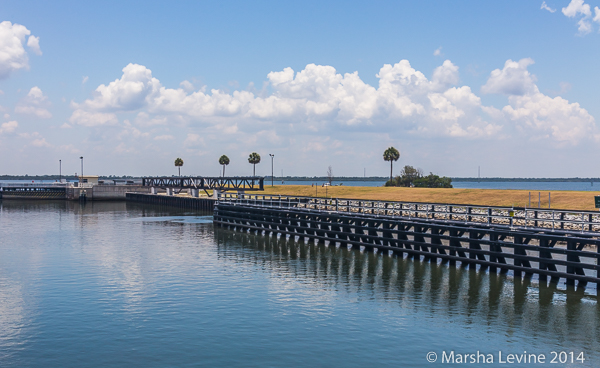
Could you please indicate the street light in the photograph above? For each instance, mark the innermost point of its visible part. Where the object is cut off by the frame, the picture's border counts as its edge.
(81, 178)
(60, 171)
(272, 156)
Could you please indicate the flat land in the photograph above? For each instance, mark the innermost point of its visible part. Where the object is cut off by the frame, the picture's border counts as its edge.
(487, 197)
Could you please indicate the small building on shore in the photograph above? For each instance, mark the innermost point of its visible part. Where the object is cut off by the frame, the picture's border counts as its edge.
(90, 179)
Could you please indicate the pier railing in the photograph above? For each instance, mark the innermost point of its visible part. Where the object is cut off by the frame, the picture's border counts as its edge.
(11, 186)
(512, 217)
(554, 244)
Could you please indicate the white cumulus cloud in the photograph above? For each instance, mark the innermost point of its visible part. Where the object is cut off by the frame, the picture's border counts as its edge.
(40, 142)
(578, 8)
(187, 86)
(513, 79)
(34, 44)
(35, 103)
(193, 140)
(132, 91)
(546, 7)
(575, 8)
(90, 119)
(536, 114)
(544, 117)
(12, 53)
(8, 127)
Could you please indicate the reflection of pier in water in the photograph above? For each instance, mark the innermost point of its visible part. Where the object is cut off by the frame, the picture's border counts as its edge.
(448, 293)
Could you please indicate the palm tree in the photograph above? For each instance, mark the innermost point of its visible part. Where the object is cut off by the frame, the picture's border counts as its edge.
(391, 154)
(224, 160)
(254, 159)
(179, 164)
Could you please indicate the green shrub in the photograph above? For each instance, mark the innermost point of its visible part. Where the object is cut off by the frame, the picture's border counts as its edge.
(433, 181)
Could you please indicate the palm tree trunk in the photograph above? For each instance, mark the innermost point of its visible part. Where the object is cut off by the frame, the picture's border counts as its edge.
(391, 164)
(179, 170)
(223, 170)
(253, 169)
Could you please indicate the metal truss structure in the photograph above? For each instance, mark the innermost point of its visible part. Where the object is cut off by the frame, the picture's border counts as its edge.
(253, 183)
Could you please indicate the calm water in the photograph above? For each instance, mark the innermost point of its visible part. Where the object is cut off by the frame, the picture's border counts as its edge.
(122, 285)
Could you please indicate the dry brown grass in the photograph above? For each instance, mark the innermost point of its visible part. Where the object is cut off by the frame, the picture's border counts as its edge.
(489, 197)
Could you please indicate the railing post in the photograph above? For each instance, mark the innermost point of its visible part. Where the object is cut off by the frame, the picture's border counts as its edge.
(562, 217)
(597, 264)
(571, 258)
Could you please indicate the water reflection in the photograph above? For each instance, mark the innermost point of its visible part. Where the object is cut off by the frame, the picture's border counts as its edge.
(452, 295)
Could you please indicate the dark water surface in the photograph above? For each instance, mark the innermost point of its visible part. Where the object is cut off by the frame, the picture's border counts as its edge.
(125, 285)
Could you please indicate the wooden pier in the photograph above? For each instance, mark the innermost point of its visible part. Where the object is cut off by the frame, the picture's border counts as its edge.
(560, 245)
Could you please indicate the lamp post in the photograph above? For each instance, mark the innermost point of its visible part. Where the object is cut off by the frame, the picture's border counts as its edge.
(272, 156)
(81, 179)
(60, 171)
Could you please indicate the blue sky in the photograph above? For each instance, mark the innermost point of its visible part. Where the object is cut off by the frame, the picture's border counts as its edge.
(510, 86)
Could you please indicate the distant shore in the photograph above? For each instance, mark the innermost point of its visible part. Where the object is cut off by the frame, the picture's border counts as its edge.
(573, 200)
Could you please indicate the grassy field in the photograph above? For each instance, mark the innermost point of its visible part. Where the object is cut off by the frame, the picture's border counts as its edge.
(490, 197)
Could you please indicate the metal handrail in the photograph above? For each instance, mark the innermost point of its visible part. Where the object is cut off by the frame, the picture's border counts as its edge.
(48, 185)
(547, 219)
(35, 185)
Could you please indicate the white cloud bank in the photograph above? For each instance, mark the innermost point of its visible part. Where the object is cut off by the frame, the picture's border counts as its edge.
(12, 53)
(319, 99)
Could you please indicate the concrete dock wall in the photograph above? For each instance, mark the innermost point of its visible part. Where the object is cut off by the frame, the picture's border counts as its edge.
(105, 192)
